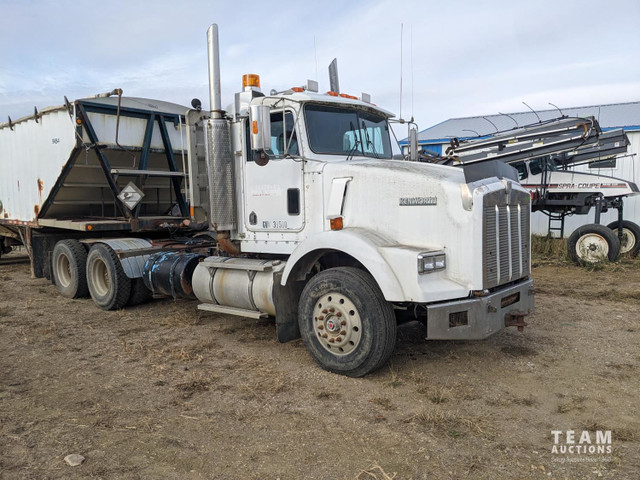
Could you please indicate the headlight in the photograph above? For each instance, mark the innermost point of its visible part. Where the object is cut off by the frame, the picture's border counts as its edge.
(431, 261)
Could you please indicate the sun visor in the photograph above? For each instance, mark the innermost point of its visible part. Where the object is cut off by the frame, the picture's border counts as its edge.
(492, 168)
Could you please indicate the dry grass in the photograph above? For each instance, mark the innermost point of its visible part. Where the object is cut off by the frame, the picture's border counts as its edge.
(621, 434)
(375, 472)
(328, 395)
(452, 424)
(383, 402)
(437, 395)
(546, 249)
(265, 386)
(575, 403)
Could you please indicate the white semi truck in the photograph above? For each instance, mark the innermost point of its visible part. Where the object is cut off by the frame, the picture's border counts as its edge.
(295, 198)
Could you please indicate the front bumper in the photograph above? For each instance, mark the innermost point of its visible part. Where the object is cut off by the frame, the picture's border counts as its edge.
(478, 318)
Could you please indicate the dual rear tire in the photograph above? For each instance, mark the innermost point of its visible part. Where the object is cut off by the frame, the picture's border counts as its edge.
(98, 274)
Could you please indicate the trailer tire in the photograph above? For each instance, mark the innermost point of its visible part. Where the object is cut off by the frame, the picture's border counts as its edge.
(109, 286)
(630, 243)
(139, 293)
(593, 243)
(346, 324)
(68, 266)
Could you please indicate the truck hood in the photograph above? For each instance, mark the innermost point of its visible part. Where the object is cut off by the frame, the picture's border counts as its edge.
(412, 203)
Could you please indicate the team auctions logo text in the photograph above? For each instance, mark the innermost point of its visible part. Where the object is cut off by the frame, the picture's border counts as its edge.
(572, 442)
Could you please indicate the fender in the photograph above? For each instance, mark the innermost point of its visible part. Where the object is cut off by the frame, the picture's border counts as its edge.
(132, 266)
(361, 244)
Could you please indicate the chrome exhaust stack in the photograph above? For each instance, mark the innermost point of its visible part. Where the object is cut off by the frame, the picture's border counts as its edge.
(213, 49)
(219, 155)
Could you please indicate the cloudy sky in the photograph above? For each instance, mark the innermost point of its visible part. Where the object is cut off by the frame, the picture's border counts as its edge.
(460, 58)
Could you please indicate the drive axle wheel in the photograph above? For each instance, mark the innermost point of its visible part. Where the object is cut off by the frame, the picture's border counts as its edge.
(630, 243)
(68, 265)
(109, 286)
(592, 244)
(345, 322)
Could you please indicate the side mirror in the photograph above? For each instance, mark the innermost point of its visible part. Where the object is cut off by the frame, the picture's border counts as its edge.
(260, 128)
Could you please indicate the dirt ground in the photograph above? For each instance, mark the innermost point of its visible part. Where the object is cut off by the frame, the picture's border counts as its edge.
(163, 391)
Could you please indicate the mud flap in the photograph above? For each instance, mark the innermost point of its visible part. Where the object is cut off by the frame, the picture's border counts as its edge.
(286, 301)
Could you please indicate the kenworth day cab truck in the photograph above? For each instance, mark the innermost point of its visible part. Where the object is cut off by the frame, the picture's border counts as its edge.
(296, 199)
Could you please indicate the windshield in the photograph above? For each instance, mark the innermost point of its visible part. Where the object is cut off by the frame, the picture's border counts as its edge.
(347, 131)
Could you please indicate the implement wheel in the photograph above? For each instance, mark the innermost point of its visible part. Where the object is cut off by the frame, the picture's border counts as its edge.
(630, 243)
(593, 243)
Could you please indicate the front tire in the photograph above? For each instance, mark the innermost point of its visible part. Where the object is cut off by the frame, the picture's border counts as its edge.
(68, 267)
(346, 324)
(630, 243)
(109, 286)
(593, 243)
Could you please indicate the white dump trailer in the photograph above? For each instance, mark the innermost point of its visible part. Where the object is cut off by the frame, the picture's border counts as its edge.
(286, 205)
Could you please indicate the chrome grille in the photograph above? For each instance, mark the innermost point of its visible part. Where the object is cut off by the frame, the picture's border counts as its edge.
(506, 243)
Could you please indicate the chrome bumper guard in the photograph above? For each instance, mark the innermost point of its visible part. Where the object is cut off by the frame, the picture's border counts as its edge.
(478, 318)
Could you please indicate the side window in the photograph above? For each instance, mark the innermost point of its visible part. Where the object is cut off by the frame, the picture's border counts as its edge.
(535, 166)
(522, 170)
(283, 134)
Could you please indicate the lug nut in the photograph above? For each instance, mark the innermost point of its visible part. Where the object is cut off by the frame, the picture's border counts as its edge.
(324, 310)
(320, 327)
(332, 340)
(324, 335)
(332, 309)
(321, 317)
(339, 314)
(343, 332)
(343, 323)
(339, 339)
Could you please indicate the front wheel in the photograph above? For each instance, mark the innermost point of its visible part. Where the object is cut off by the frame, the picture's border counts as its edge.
(630, 243)
(345, 322)
(593, 243)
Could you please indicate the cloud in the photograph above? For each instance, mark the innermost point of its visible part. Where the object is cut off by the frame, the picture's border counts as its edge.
(459, 58)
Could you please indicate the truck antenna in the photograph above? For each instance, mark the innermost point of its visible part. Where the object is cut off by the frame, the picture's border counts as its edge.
(412, 89)
(401, 28)
(315, 54)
